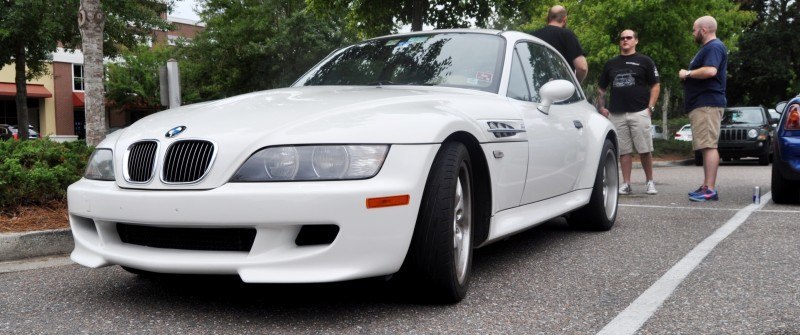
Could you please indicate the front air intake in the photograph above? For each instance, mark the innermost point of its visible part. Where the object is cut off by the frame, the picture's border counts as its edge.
(141, 161)
(187, 161)
(733, 134)
(208, 239)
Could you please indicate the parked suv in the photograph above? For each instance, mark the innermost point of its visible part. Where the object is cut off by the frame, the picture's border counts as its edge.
(745, 132)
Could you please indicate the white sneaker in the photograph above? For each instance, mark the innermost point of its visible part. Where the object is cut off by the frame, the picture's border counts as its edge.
(651, 187)
(625, 189)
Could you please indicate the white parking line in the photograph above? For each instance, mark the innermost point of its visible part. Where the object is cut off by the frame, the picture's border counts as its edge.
(632, 318)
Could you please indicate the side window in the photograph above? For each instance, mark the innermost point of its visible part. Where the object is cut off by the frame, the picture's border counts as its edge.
(559, 70)
(517, 87)
(541, 65)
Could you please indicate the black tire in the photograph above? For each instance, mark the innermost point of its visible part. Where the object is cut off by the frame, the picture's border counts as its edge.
(439, 261)
(784, 191)
(763, 159)
(601, 211)
(698, 158)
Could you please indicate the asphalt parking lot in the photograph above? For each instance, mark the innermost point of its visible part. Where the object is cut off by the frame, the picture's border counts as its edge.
(669, 266)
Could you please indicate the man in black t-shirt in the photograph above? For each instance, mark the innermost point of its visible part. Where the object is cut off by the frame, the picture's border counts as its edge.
(634, 91)
(564, 40)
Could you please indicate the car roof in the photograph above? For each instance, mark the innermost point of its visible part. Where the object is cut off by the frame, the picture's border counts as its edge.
(443, 31)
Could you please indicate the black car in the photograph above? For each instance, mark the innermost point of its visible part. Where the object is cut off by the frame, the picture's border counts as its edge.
(745, 132)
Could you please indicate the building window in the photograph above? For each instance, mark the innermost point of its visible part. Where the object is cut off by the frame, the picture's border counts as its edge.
(77, 77)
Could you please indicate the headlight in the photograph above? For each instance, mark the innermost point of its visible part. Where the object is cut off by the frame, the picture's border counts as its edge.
(100, 166)
(313, 162)
(752, 133)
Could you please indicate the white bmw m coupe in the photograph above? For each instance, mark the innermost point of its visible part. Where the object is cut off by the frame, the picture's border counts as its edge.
(396, 156)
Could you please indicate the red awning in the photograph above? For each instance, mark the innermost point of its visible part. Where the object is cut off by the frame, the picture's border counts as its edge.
(78, 99)
(34, 90)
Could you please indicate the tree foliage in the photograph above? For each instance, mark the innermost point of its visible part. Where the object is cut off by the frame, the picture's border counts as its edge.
(765, 68)
(31, 30)
(133, 79)
(378, 17)
(254, 45)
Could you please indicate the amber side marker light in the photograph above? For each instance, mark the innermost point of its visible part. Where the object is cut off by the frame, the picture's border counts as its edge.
(396, 200)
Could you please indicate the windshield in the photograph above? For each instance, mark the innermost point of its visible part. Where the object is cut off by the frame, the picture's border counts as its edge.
(743, 116)
(465, 60)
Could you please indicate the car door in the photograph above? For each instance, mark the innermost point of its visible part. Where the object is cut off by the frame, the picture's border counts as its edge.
(557, 148)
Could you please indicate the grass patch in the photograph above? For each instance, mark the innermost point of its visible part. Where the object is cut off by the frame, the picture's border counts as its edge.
(672, 148)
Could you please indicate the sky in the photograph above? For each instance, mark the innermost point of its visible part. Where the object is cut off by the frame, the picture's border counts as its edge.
(184, 10)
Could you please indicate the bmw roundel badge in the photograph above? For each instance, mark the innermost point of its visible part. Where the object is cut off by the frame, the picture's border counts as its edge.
(175, 131)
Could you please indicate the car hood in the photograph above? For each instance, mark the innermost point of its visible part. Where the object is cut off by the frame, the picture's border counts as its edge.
(241, 125)
(321, 114)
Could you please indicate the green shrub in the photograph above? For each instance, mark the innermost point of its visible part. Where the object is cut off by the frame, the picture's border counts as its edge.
(38, 171)
(672, 147)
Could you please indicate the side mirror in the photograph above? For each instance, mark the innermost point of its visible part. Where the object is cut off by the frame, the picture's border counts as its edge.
(780, 106)
(554, 91)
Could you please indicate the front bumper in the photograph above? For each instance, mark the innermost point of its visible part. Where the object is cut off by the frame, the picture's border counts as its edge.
(370, 242)
(737, 149)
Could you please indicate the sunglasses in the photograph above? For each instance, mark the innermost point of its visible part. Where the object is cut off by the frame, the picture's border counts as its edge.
(625, 38)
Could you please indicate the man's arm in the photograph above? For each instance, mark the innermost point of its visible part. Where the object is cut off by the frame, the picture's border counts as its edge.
(601, 102)
(581, 67)
(704, 72)
(655, 90)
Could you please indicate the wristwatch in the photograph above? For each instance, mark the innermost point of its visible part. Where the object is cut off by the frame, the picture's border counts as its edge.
(652, 109)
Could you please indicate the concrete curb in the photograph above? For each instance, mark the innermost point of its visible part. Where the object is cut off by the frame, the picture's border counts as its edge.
(16, 246)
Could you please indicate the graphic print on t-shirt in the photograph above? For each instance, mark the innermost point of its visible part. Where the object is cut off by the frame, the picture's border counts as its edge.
(624, 80)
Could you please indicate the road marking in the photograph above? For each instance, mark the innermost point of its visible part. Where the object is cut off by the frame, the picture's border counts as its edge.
(640, 310)
(36, 263)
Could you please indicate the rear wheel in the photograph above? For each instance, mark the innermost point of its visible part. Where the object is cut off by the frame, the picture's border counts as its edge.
(439, 260)
(601, 211)
(698, 158)
(784, 191)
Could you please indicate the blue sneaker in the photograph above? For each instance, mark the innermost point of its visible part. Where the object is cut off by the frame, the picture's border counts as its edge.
(705, 195)
(700, 190)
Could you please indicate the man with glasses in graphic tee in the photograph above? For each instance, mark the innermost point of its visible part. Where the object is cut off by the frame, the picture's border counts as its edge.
(635, 87)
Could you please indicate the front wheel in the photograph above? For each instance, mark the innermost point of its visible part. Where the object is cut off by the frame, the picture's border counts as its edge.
(439, 260)
(601, 211)
(784, 191)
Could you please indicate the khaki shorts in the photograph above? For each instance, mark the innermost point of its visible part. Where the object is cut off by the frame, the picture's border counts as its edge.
(705, 126)
(633, 131)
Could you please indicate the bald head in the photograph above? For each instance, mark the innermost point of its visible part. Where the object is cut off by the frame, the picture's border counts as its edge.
(705, 29)
(557, 14)
(707, 22)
